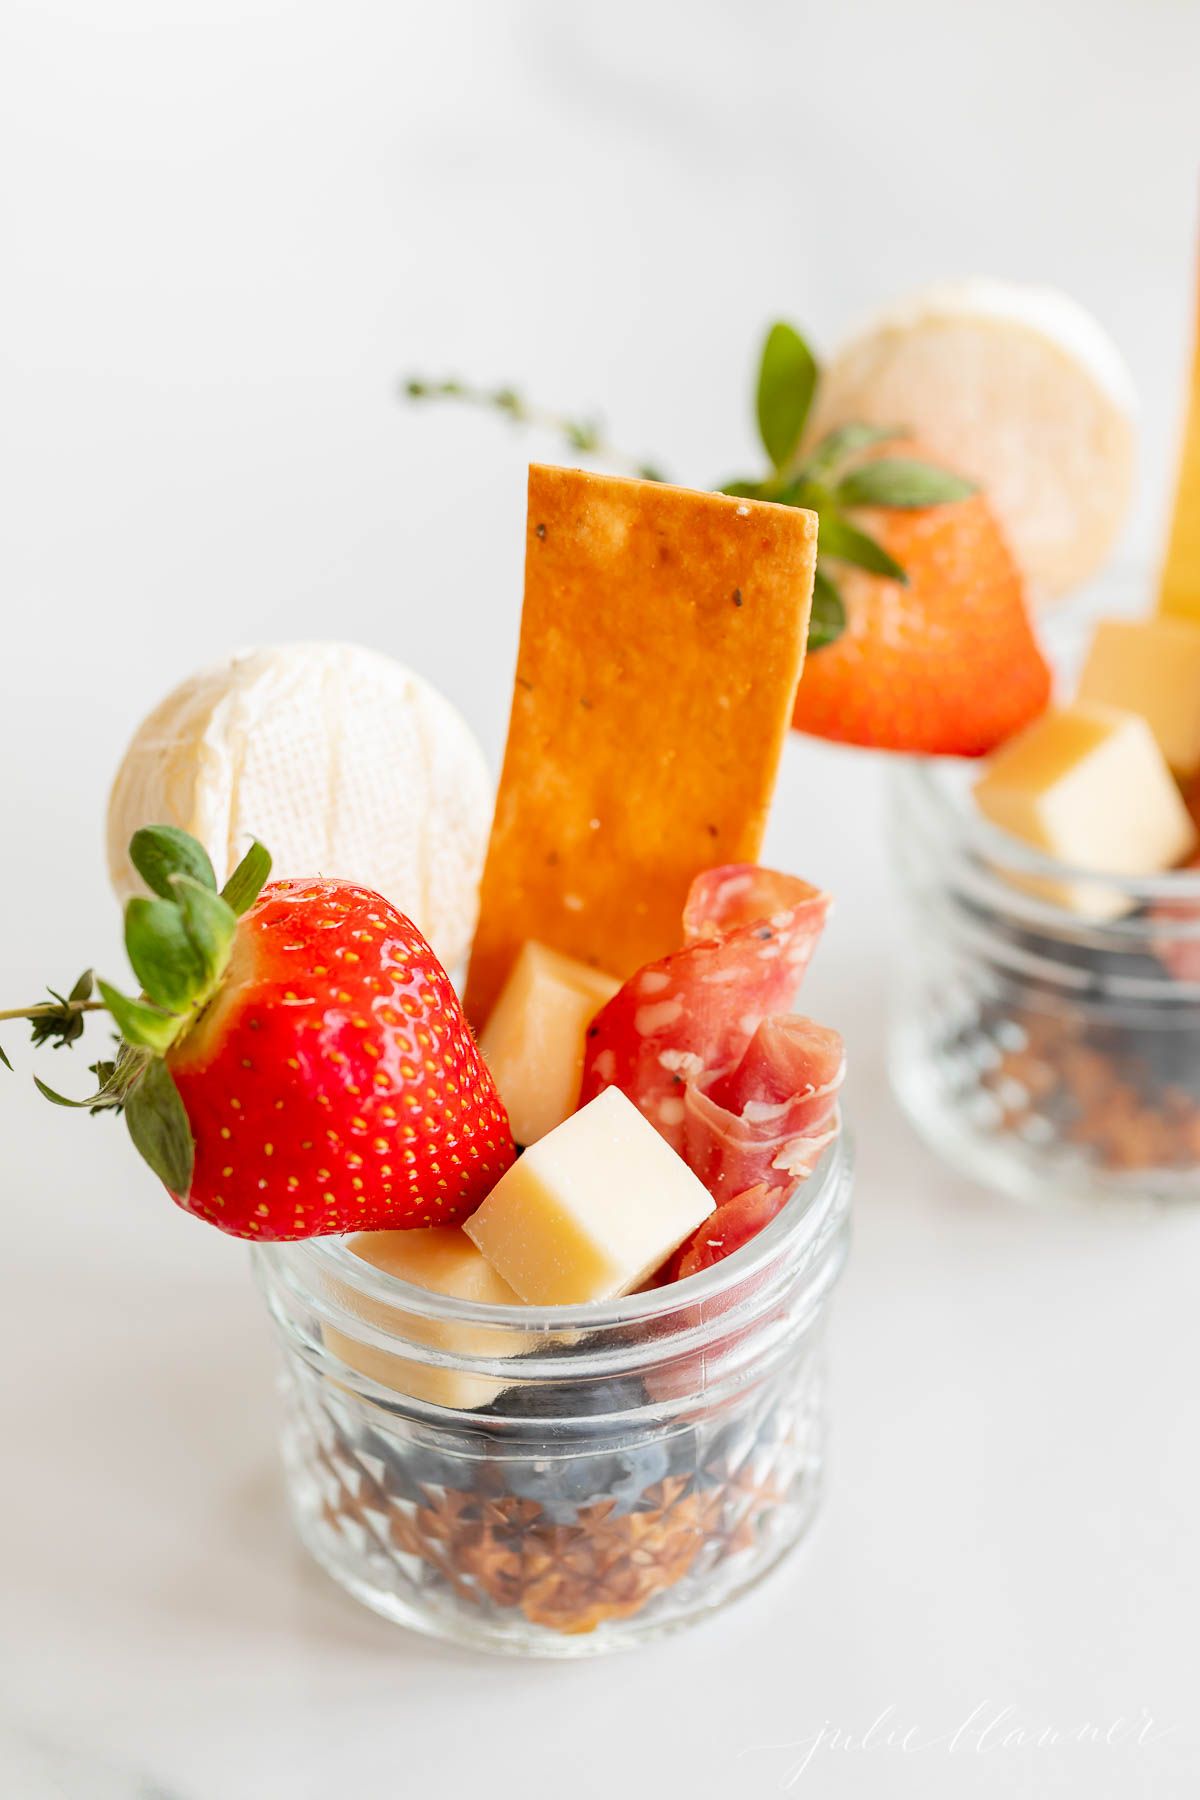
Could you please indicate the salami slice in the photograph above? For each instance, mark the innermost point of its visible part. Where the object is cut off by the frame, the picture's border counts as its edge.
(686, 1021)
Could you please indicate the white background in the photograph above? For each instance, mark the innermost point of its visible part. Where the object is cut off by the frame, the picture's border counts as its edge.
(227, 229)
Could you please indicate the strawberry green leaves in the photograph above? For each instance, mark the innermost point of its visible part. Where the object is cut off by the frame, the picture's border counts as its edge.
(837, 537)
(140, 1024)
(158, 1125)
(160, 852)
(787, 381)
(168, 965)
(179, 945)
(210, 924)
(827, 621)
(902, 481)
(248, 879)
(843, 442)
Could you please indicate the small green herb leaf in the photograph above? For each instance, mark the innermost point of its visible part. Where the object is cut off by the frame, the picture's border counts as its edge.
(164, 958)
(210, 922)
(583, 434)
(897, 481)
(158, 1125)
(837, 537)
(844, 441)
(139, 1023)
(62, 1023)
(4, 1058)
(787, 380)
(158, 852)
(248, 879)
(828, 620)
(743, 490)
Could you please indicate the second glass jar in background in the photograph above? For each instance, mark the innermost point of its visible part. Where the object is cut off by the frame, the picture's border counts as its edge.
(1046, 1053)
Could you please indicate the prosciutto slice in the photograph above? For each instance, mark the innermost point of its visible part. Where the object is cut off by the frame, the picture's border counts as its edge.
(700, 1042)
(766, 1122)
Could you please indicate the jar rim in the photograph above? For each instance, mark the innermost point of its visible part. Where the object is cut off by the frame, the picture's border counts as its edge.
(940, 786)
(328, 1261)
(931, 782)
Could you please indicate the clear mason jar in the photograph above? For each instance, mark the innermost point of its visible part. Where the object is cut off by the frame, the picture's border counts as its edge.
(559, 1481)
(1050, 1055)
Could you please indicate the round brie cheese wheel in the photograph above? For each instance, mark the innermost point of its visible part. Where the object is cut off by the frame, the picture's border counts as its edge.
(1020, 389)
(343, 762)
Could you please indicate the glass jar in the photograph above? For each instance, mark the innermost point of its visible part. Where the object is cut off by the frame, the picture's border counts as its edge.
(1048, 1054)
(559, 1481)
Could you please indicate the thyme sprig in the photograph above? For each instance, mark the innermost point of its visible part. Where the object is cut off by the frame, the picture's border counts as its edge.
(835, 475)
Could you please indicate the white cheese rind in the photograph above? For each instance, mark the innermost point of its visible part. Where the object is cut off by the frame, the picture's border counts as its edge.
(343, 762)
(592, 1210)
(1017, 387)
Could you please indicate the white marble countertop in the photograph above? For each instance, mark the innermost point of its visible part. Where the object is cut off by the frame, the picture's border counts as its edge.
(235, 225)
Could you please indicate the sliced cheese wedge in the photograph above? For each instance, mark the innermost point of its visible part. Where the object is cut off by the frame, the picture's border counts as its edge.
(1089, 785)
(592, 1210)
(533, 1042)
(444, 1260)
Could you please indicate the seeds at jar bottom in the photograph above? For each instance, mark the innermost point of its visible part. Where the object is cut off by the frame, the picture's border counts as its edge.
(1128, 1100)
(568, 1566)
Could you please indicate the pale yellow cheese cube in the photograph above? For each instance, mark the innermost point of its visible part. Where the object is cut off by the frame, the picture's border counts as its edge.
(592, 1209)
(1089, 785)
(1151, 667)
(533, 1042)
(444, 1260)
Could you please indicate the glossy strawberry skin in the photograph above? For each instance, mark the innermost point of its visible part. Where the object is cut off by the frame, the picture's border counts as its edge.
(947, 665)
(333, 1084)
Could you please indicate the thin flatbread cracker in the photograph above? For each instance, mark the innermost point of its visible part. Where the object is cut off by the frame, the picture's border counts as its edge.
(1179, 589)
(662, 638)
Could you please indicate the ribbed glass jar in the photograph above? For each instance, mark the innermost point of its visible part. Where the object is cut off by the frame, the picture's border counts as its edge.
(1051, 1055)
(586, 1477)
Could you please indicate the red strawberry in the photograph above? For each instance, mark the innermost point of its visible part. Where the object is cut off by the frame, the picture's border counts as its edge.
(945, 664)
(303, 1069)
(333, 1084)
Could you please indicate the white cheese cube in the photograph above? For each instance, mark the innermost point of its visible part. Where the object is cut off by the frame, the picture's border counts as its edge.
(533, 1042)
(592, 1210)
(442, 1259)
(1151, 667)
(1088, 785)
